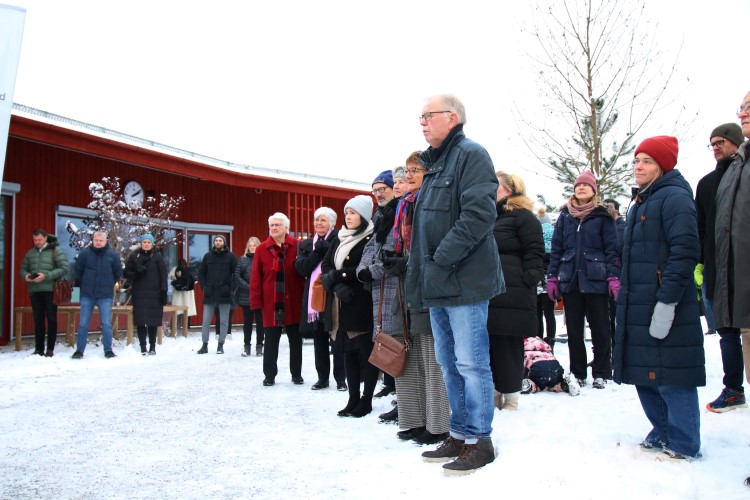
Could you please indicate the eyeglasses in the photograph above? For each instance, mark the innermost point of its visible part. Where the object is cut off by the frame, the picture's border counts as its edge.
(414, 171)
(379, 190)
(745, 108)
(428, 116)
(717, 144)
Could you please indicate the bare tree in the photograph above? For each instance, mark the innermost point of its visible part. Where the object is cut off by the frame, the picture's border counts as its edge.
(602, 77)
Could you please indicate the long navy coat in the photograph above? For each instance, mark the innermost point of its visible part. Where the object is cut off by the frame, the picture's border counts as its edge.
(584, 254)
(661, 249)
(148, 286)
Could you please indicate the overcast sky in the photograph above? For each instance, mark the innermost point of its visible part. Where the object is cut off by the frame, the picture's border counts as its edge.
(335, 87)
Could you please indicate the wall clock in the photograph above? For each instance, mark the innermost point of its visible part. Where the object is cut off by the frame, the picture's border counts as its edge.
(133, 194)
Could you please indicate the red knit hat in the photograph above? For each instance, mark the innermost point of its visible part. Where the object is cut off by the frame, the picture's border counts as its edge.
(662, 148)
(586, 177)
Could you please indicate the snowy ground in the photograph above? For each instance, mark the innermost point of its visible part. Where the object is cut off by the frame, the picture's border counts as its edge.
(179, 425)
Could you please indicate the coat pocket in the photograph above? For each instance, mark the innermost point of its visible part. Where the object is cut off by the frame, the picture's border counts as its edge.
(439, 282)
(567, 267)
(439, 195)
(596, 269)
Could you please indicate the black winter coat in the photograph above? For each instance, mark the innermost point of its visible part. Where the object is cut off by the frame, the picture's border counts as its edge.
(307, 260)
(216, 275)
(149, 286)
(705, 209)
(354, 316)
(518, 234)
(242, 274)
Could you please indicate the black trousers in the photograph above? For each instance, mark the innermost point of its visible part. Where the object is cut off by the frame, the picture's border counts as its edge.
(143, 331)
(271, 351)
(324, 350)
(249, 316)
(43, 307)
(545, 313)
(358, 368)
(595, 307)
(506, 362)
(612, 316)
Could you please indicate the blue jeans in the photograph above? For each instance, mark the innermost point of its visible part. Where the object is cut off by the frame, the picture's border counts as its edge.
(462, 349)
(105, 314)
(674, 414)
(709, 307)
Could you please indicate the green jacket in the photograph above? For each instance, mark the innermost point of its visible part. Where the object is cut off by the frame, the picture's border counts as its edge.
(40, 261)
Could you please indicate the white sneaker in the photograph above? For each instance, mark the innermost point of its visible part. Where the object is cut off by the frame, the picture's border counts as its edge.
(574, 389)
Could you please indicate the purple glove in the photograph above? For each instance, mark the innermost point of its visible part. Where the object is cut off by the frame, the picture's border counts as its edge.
(614, 286)
(552, 290)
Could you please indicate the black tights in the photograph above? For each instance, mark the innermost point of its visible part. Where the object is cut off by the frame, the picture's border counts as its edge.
(143, 330)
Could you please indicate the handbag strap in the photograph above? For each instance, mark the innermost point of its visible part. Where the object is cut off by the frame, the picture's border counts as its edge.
(380, 303)
(403, 314)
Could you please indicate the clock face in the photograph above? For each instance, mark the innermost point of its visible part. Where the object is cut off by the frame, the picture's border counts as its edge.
(133, 194)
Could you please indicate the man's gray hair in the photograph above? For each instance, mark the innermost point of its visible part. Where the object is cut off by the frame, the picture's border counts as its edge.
(279, 216)
(328, 212)
(100, 233)
(454, 104)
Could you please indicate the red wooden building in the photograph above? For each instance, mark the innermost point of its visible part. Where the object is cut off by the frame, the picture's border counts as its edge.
(51, 161)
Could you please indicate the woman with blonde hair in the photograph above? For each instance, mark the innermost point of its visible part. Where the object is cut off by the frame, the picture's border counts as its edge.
(242, 274)
(512, 315)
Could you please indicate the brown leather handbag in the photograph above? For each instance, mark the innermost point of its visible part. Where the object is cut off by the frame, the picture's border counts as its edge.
(319, 295)
(389, 354)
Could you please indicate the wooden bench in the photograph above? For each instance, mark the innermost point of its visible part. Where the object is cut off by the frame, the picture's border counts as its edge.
(70, 311)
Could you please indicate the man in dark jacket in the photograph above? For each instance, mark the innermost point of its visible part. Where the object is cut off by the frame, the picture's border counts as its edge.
(98, 268)
(724, 142)
(732, 245)
(42, 266)
(215, 277)
(454, 269)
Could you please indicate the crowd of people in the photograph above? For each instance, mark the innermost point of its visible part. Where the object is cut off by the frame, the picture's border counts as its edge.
(455, 259)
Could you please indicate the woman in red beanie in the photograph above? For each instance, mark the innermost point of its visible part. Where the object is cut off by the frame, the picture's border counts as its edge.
(659, 339)
(584, 269)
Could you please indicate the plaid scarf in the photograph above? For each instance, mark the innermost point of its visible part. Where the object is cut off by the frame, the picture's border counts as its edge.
(279, 253)
(403, 223)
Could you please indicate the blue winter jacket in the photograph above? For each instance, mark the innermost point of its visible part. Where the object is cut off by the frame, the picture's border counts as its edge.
(660, 251)
(584, 254)
(98, 269)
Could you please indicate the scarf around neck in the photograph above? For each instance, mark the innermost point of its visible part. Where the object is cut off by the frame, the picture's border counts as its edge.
(312, 314)
(349, 238)
(403, 224)
(580, 212)
(279, 255)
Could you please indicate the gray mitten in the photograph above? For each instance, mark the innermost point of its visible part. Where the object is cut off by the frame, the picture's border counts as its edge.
(662, 319)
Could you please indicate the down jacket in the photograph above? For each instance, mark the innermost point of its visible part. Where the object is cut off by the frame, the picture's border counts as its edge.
(148, 286)
(242, 274)
(454, 259)
(661, 249)
(216, 275)
(584, 254)
(41, 261)
(98, 269)
(518, 234)
(733, 244)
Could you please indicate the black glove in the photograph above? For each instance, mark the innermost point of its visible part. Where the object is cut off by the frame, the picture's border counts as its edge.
(163, 297)
(328, 280)
(343, 292)
(365, 276)
(395, 266)
(321, 247)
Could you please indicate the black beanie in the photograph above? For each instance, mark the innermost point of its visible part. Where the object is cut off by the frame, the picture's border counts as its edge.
(730, 131)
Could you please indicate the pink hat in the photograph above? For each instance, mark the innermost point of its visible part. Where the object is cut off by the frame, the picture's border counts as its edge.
(586, 177)
(662, 148)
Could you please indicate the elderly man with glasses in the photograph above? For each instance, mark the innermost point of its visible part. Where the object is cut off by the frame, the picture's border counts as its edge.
(454, 269)
(732, 244)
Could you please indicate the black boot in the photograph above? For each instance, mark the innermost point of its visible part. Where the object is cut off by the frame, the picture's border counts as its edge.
(363, 408)
(204, 349)
(220, 348)
(353, 402)
(152, 350)
(143, 348)
(246, 352)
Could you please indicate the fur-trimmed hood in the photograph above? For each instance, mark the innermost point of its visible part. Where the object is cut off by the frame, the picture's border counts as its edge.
(515, 202)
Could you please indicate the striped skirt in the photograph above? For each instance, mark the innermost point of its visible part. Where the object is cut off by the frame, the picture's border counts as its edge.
(422, 400)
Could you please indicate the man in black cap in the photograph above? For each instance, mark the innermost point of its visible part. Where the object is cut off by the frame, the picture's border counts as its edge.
(724, 142)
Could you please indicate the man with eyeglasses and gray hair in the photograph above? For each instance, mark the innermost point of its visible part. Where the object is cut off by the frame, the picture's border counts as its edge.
(454, 269)
(731, 245)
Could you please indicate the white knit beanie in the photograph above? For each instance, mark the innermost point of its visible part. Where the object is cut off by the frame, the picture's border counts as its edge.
(361, 204)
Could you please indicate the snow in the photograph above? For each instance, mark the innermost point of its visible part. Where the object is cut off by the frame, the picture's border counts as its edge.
(179, 425)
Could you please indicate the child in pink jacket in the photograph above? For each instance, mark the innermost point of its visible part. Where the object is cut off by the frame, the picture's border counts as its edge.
(543, 371)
